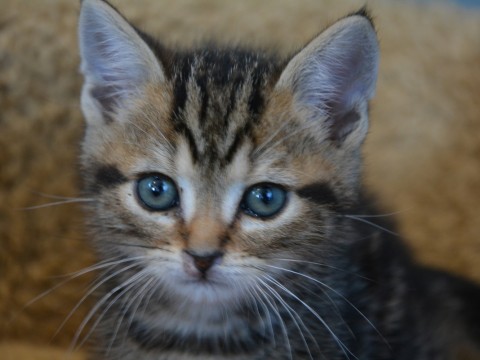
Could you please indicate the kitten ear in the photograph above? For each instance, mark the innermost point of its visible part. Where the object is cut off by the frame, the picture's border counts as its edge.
(334, 76)
(116, 61)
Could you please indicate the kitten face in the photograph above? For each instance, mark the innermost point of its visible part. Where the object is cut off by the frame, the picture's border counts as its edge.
(216, 172)
(210, 215)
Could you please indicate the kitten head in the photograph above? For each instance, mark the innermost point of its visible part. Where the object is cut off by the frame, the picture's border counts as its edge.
(215, 168)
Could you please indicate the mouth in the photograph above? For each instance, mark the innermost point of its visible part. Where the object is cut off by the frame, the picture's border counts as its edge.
(204, 292)
(187, 286)
(211, 288)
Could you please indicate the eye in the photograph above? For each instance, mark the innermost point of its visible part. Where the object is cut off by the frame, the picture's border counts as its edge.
(264, 200)
(157, 192)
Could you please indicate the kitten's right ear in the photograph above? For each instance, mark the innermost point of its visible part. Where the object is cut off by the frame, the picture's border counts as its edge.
(116, 61)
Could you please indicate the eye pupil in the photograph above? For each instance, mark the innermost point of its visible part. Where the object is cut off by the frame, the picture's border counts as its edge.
(264, 200)
(157, 192)
(264, 194)
(157, 187)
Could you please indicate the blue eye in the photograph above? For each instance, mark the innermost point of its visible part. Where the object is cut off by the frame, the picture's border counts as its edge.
(264, 200)
(157, 192)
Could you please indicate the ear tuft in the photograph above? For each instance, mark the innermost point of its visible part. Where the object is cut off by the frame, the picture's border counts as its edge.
(116, 61)
(334, 76)
(363, 12)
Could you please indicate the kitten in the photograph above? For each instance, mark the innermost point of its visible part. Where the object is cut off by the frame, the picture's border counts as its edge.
(229, 208)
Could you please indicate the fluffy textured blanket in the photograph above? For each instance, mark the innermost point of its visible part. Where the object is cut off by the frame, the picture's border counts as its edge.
(422, 156)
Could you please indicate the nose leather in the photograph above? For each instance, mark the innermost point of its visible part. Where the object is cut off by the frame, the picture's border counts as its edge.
(203, 262)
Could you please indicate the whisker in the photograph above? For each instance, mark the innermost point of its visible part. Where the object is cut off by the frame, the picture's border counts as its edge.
(134, 245)
(57, 197)
(126, 285)
(255, 298)
(271, 147)
(73, 276)
(148, 297)
(294, 316)
(324, 265)
(334, 305)
(380, 215)
(170, 147)
(160, 132)
(342, 346)
(56, 203)
(338, 294)
(275, 309)
(100, 265)
(260, 149)
(94, 287)
(123, 288)
(144, 293)
(139, 294)
(371, 223)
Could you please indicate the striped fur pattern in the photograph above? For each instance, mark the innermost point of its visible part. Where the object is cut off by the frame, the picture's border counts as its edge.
(205, 279)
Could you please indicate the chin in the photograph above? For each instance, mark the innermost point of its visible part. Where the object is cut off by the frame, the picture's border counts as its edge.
(216, 289)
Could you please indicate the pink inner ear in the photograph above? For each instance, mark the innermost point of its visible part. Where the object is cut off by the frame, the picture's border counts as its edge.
(335, 74)
(343, 124)
(116, 61)
(103, 94)
(339, 79)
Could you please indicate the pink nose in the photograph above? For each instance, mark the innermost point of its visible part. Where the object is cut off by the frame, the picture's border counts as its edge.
(204, 261)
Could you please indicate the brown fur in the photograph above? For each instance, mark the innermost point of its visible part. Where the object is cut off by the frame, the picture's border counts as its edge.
(422, 154)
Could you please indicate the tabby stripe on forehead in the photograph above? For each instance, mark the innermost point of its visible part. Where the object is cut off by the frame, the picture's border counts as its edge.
(108, 176)
(187, 133)
(319, 193)
(255, 105)
(183, 73)
(238, 141)
(236, 84)
(180, 90)
(202, 84)
(180, 96)
(256, 101)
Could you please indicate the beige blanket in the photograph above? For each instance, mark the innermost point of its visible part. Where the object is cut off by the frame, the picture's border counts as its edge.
(422, 156)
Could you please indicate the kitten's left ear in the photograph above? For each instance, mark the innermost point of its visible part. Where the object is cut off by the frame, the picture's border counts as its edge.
(116, 61)
(334, 76)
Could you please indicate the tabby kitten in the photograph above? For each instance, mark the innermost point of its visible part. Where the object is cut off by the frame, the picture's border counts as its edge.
(229, 211)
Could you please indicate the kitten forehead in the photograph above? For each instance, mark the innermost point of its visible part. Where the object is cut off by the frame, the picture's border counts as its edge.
(218, 96)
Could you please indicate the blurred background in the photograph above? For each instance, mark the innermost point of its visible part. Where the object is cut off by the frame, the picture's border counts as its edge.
(465, 3)
(422, 154)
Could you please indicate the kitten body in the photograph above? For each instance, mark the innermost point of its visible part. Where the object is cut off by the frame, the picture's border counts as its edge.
(229, 208)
